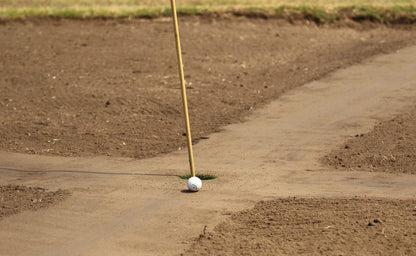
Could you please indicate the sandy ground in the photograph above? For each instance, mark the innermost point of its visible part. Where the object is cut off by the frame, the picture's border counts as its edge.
(111, 88)
(121, 206)
(390, 147)
(319, 226)
(15, 199)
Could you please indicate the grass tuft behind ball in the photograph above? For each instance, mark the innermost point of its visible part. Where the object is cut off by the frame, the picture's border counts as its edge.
(199, 175)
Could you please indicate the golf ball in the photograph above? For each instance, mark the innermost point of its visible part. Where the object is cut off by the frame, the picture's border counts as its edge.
(194, 184)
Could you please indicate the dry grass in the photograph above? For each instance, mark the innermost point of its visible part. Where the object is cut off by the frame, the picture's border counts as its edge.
(139, 8)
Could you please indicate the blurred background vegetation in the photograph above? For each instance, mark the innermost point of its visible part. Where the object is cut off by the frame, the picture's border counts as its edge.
(322, 10)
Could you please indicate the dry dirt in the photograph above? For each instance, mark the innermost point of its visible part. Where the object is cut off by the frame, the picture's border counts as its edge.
(93, 88)
(324, 226)
(315, 227)
(14, 199)
(83, 88)
(390, 147)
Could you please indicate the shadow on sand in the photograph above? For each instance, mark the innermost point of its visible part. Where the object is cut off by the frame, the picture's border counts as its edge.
(88, 172)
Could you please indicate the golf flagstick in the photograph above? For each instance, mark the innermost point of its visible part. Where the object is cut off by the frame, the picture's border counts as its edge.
(182, 78)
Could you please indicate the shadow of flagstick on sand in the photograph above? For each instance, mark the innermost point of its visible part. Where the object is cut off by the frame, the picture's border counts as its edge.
(88, 172)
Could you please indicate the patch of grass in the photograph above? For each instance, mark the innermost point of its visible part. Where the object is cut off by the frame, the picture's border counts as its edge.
(408, 8)
(199, 175)
(370, 12)
(318, 10)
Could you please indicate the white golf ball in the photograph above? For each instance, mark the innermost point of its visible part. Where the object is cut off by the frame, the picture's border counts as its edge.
(194, 184)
